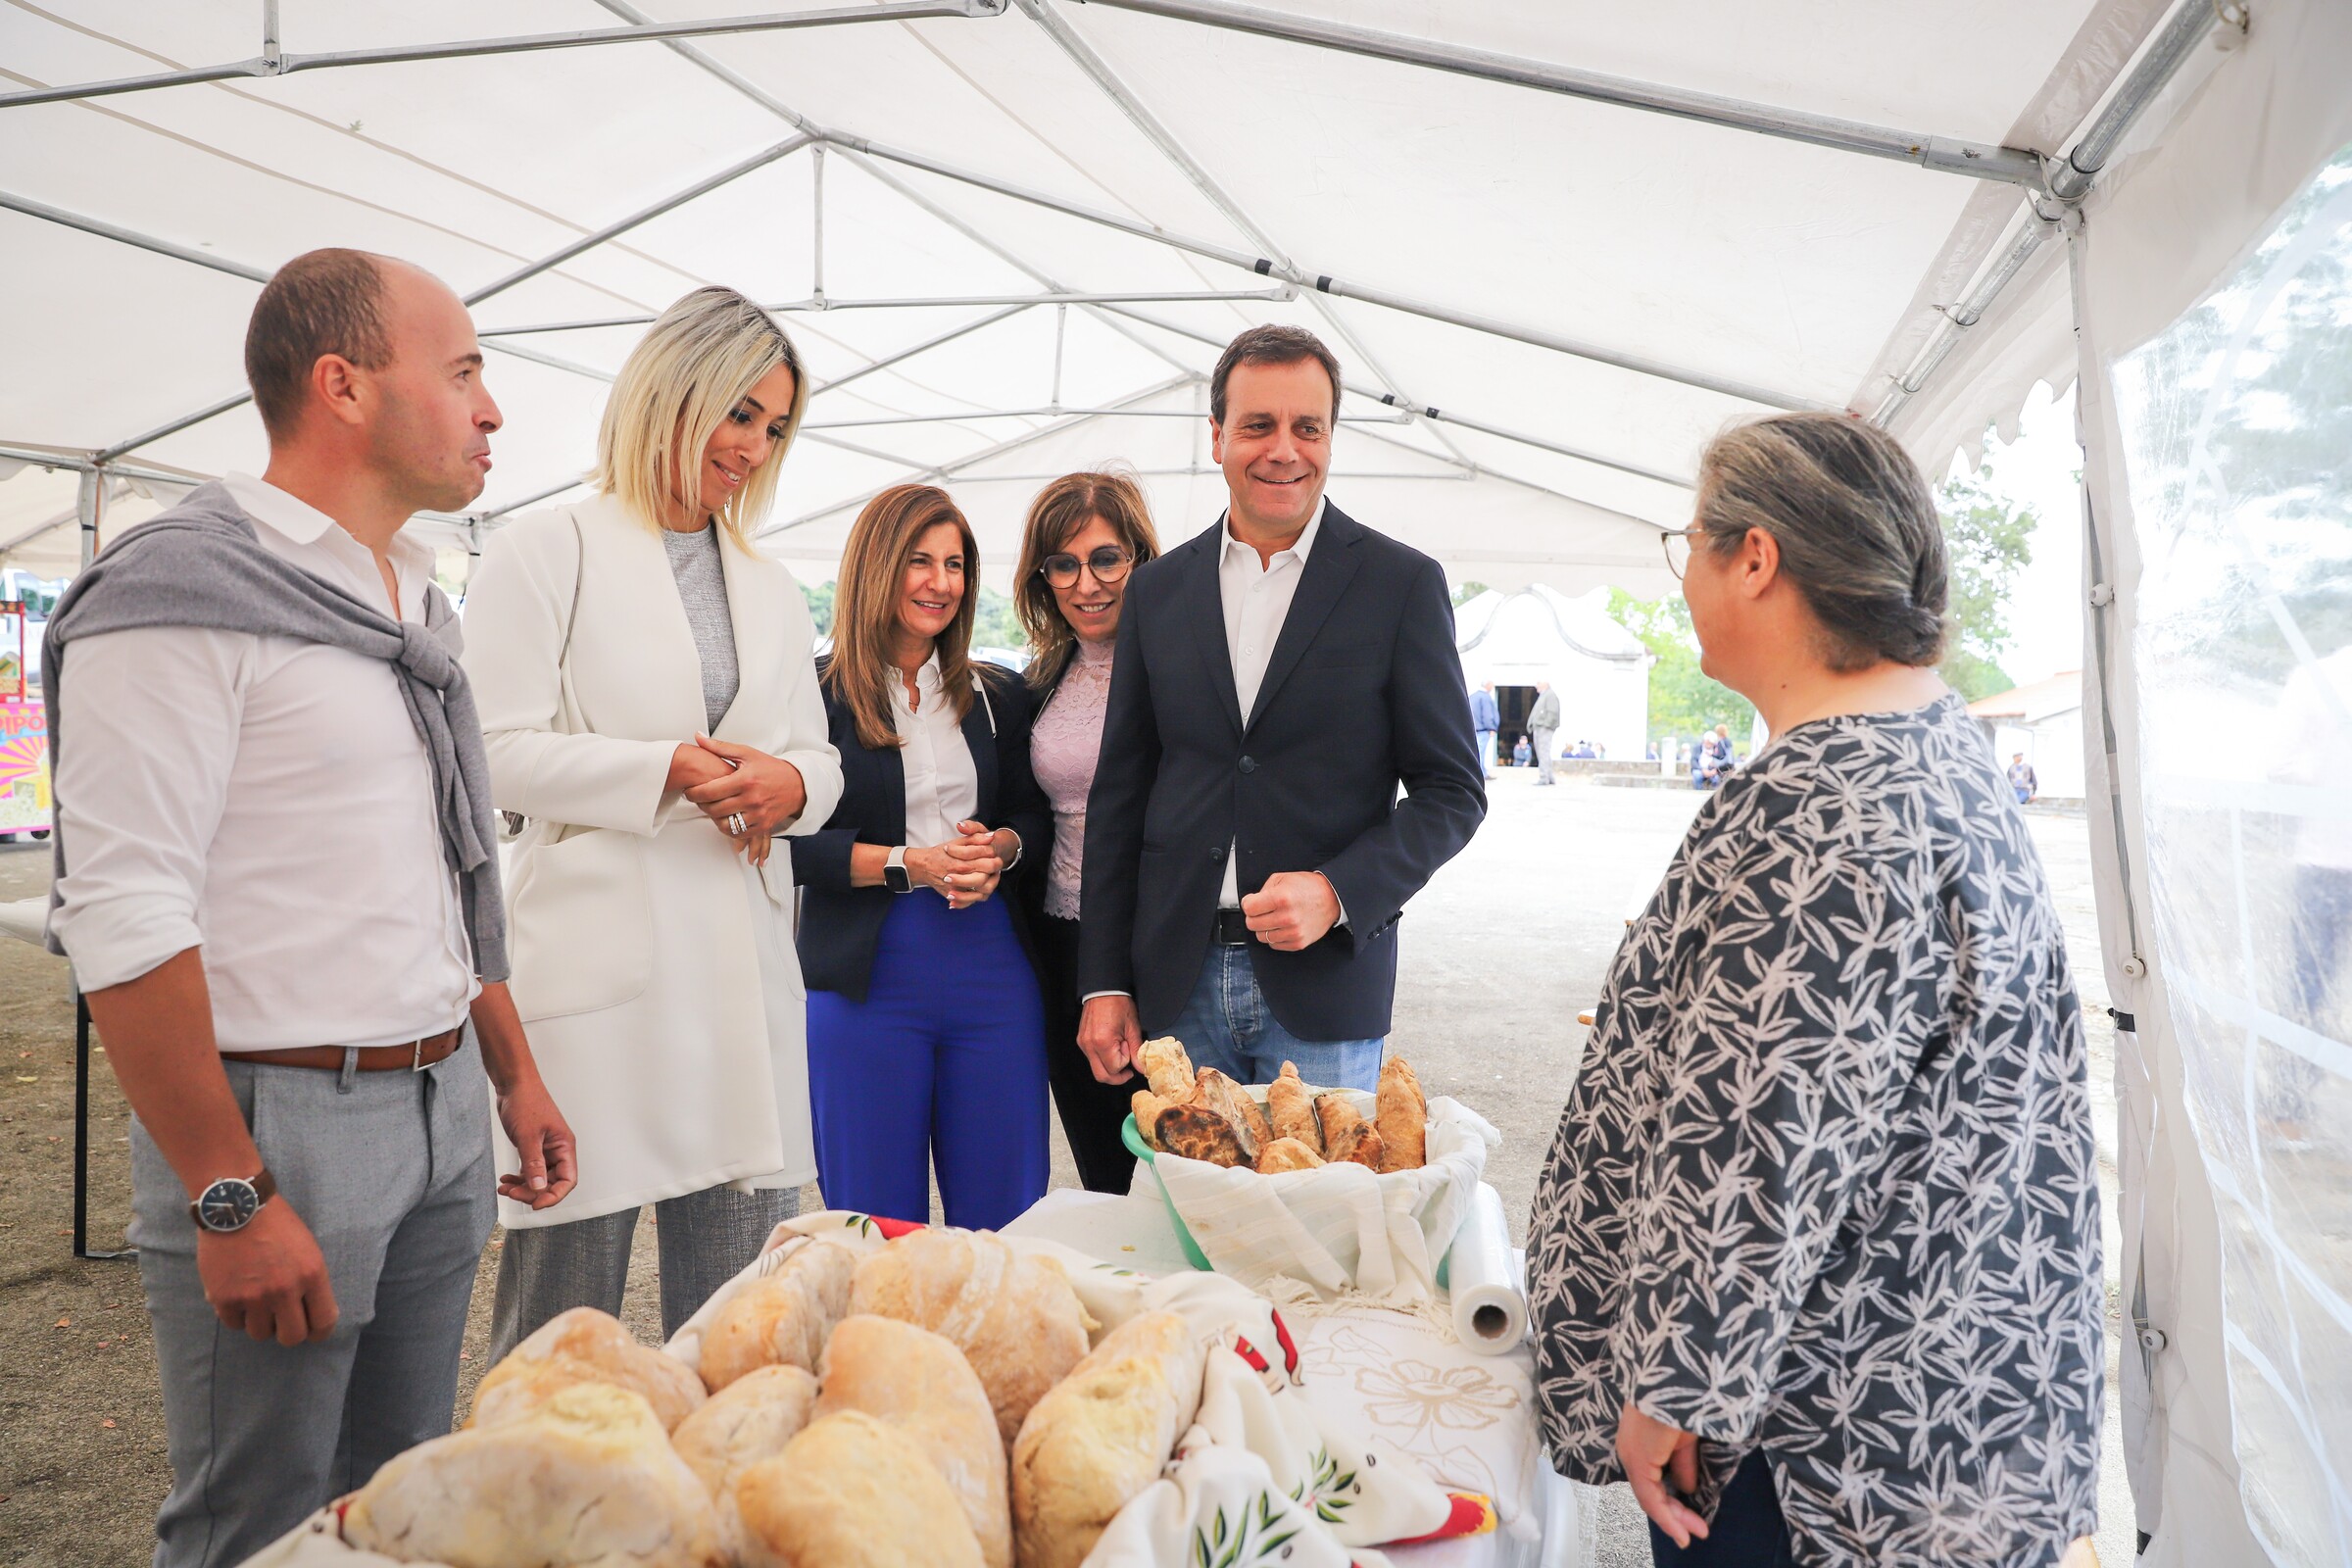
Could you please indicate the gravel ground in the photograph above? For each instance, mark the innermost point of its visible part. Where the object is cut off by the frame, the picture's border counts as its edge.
(1501, 952)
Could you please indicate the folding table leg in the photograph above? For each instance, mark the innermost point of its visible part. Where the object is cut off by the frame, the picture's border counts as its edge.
(81, 1138)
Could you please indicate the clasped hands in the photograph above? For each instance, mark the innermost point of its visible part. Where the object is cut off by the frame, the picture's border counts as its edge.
(749, 795)
(966, 869)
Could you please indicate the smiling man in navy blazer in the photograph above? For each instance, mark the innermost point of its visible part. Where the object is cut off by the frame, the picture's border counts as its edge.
(1278, 679)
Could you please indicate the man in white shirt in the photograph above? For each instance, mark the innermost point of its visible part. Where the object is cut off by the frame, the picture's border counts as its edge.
(1278, 680)
(273, 892)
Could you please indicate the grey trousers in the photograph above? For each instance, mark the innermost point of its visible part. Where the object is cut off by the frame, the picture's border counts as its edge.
(706, 1238)
(1540, 745)
(392, 1172)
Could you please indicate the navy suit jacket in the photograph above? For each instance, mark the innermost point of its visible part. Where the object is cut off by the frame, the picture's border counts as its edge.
(1363, 694)
(840, 923)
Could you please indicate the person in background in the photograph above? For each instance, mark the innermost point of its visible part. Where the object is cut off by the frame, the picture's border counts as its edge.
(650, 708)
(277, 879)
(926, 1036)
(1486, 721)
(1280, 677)
(2022, 779)
(1711, 758)
(1086, 532)
(1650, 752)
(1522, 753)
(1542, 721)
(1816, 1252)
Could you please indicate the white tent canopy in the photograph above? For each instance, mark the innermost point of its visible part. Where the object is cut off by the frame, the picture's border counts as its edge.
(1599, 670)
(1554, 246)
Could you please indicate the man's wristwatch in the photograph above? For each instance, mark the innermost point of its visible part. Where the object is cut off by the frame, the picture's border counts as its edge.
(230, 1204)
(894, 871)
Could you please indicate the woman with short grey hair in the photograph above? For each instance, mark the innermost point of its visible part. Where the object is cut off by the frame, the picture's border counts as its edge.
(1815, 1262)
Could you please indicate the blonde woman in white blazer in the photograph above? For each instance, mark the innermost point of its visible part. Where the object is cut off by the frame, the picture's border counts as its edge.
(651, 712)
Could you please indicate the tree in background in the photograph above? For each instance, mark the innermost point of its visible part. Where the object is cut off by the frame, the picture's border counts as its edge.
(1683, 699)
(1989, 539)
(994, 624)
(1467, 591)
(820, 606)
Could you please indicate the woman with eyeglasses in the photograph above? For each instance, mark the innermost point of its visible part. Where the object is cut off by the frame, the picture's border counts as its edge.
(926, 1046)
(1086, 532)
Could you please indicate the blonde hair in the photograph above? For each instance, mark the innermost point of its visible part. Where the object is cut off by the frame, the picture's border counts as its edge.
(865, 609)
(694, 365)
(1060, 510)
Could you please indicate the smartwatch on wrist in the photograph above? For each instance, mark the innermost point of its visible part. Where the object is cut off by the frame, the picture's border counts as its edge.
(228, 1204)
(894, 871)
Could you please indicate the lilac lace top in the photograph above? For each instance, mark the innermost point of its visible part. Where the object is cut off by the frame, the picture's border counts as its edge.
(1062, 744)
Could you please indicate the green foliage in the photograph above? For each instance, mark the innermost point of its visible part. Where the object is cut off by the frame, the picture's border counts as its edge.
(1683, 699)
(995, 625)
(1467, 591)
(1989, 541)
(820, 606)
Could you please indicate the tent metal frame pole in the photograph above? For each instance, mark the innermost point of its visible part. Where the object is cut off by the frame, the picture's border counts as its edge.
(521, 274)
(1941, 154)
(274, 62)
(2072, 179)
(1056, 412)
(1441, 417)
(1325, 283)
(818, 305)
(924, 347)
(103, 229)
(816, 221)
(1131, 104)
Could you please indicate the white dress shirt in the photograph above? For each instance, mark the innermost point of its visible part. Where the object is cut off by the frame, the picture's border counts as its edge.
(268, 800)
(1256, 596)
(943, 786)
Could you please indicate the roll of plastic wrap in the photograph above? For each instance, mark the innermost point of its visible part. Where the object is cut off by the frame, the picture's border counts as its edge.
(1490, 1310)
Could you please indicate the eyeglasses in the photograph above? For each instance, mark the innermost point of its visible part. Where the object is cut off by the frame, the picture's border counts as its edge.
(1677, 544)
(1109, 565)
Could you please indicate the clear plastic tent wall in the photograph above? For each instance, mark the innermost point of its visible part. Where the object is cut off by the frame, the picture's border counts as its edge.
(1009, 239)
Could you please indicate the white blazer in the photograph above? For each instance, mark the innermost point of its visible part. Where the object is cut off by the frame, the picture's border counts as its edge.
(653, 969)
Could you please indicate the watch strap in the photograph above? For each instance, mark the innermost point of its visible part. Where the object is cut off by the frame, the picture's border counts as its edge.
(895, 875)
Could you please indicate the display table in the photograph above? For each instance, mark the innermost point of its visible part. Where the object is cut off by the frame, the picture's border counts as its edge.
(1467, 1419)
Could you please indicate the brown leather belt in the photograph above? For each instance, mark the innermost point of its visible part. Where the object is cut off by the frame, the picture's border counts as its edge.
(414, 1056)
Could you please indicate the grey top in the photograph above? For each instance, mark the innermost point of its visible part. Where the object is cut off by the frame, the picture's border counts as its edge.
(702, 589)
(200, 563)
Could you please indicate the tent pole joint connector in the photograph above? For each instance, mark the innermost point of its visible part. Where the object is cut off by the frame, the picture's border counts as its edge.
(1948, 155)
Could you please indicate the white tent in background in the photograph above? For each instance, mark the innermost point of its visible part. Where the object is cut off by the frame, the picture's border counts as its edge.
(1554, 246)
(1600, 670)
(2044, 722)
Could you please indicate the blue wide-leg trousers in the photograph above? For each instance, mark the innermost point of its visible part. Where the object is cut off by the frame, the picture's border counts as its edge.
(944, 1063)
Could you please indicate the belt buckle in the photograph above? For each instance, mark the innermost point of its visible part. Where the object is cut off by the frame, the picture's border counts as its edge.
(417, 1055)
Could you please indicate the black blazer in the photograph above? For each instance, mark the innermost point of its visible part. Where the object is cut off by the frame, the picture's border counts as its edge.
(840, 923)
(1363, 693)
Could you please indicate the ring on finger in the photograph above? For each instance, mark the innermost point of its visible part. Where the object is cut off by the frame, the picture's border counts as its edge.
(735, 824)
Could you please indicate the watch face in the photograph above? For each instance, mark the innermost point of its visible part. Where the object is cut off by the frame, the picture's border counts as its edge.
(227, 1205)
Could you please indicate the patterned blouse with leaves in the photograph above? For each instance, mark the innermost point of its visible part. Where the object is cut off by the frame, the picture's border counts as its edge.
(1827, 1181)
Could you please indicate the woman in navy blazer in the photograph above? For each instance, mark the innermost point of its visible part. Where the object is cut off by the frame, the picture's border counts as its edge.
(927, 1037)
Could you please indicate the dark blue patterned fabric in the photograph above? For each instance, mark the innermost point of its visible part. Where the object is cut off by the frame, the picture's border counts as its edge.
(1826, 1184)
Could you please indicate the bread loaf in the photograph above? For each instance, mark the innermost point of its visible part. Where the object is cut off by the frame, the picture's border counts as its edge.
(1014, 1315)
(850, 1491)
(584, 1479)
(920, 1384)
(783, 1318)
(1217, 1091)
(583, 1345)
(1148, 1107)
(1286, 1153)
(1166, 1068)
(748, 1420)
(1290, 1109)
(1200, 1132)
(1101, 1436)
(1347, 1137)
(1400, 1113)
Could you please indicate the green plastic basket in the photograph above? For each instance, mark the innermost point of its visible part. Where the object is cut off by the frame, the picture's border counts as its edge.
(1184, 1236)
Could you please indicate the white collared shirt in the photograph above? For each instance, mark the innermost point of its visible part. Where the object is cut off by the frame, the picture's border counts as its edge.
(1256, 596)
(268, 800)
(943, 786)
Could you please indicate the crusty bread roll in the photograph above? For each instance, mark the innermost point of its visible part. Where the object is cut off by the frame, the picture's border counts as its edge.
(1014, 1315)
(1291, 1110)
(1400, 1112)
(1229, 1100)
(1101, 1436)
(921, 1384)
(1347, 1137)
(1166, 1068)
(584, 1479)
(1286, 1153)
(1202, 1132)
(781, 1318)
(583, 1345)
(850, 1491)
(748, 1420)
(1148, 1107)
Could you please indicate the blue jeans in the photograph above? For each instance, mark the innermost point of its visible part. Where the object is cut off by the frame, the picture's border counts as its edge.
(1227, 1025)
(1486, 751)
